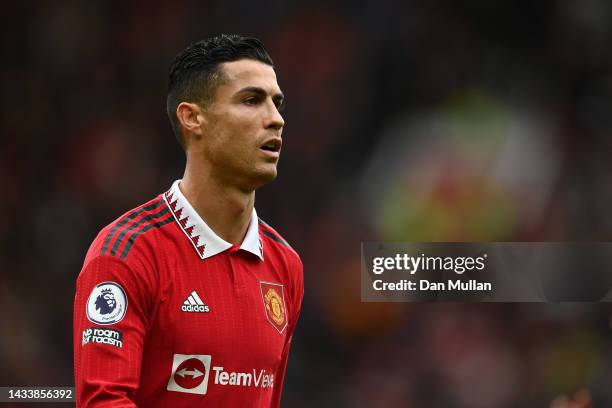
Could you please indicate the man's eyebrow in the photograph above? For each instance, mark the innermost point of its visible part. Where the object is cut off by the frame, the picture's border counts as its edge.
(260, 92)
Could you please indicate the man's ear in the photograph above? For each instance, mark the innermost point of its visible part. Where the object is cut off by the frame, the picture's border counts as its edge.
(191, 118)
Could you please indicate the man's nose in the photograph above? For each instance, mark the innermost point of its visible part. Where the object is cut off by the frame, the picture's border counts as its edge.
(275, 119)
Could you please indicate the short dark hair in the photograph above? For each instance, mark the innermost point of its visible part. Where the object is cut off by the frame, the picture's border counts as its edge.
(194, 74)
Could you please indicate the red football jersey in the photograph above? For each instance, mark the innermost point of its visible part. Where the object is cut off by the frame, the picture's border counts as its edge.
(168, 314)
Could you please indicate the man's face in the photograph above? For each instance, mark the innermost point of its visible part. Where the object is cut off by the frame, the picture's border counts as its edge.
(242, 132)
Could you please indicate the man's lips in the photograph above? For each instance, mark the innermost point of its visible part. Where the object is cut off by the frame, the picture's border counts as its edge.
(272, 145)
(271, 148)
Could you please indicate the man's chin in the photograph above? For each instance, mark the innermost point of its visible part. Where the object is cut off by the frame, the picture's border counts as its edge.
(262, 176)
(268, 175)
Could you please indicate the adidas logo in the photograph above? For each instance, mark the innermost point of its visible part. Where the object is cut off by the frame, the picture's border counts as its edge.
(194, 304)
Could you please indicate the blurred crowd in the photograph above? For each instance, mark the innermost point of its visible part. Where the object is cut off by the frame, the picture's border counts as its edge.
(405, 121)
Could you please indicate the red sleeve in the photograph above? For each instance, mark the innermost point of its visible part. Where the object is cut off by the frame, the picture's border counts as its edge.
(297, 294)
(110, 315)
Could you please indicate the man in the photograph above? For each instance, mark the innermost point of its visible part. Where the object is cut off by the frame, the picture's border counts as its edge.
(191, 300)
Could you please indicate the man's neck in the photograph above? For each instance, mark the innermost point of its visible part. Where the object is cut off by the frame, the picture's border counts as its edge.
(226, 210)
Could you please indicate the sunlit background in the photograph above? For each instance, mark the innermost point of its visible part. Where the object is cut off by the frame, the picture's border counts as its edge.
(432, 120)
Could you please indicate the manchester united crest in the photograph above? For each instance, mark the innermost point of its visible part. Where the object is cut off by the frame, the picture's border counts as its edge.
(274, 302)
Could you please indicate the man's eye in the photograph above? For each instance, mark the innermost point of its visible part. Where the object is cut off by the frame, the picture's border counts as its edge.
(250, 101)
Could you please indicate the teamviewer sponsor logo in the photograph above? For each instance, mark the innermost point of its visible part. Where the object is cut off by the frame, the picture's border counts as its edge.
(254, 378)
(190, 373)
(194, 304)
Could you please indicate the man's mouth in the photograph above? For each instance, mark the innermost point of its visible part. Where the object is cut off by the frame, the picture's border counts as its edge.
(272, 145)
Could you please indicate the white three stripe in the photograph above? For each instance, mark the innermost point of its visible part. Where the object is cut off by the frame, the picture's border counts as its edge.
(193, 299)
(197, 298)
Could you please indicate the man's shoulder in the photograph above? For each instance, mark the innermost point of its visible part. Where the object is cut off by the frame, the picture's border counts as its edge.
(119, 238)
(276, 240)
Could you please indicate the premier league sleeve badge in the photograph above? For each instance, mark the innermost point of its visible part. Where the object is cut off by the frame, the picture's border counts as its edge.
(107, 304)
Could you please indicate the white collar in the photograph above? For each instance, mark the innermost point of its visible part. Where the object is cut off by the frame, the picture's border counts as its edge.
(202, 237)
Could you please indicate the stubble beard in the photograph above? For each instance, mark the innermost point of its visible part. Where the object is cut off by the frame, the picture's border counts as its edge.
(247, 179)
(261, 177)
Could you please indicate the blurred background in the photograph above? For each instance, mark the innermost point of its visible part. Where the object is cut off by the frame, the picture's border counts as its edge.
(432, 120)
